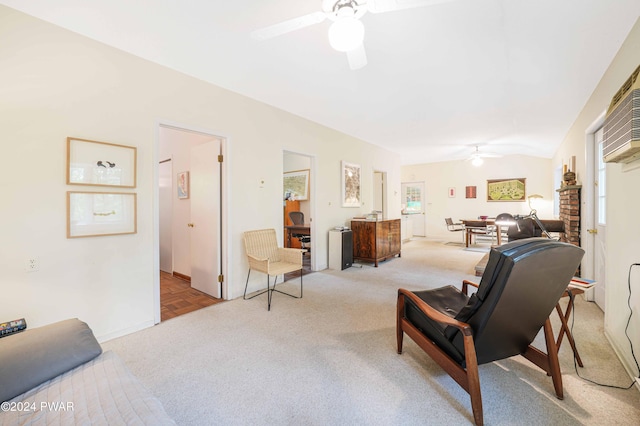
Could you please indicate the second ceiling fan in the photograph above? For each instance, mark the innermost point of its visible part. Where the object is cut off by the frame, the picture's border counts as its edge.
(346, 33)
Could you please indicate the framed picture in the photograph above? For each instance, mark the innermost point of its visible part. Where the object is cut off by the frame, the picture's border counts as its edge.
(351, 181)
(296, 185)
(452, 192)
(506, 189)
(100, 163)
(470, 192)
(183, 185)
(93, 214)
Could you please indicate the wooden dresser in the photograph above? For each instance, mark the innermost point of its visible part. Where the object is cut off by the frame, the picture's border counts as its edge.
(374, 241)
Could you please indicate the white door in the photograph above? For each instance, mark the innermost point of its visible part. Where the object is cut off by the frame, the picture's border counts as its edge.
(205, 217)
(166, 210)
(413, 204)
(600, 221)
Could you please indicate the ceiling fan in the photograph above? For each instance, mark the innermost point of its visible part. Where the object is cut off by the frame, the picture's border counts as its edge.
(477, 158)
(346, 33)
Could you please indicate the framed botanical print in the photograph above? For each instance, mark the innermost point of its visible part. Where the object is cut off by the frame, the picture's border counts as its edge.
(351, 182)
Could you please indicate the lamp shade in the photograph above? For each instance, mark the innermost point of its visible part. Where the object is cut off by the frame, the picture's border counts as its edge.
(505, 219)
(346, 34)
(534, 200)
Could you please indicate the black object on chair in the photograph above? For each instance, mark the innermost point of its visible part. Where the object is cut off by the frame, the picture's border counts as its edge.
(519, 289)
(297, 218)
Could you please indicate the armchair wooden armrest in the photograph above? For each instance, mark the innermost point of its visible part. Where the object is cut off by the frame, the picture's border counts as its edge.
(466, 284)
(432, 313)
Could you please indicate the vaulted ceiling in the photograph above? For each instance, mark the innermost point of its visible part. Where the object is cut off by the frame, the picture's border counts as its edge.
(507, 76)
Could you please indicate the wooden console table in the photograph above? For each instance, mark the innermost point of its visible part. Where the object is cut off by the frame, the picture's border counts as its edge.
(374, 241)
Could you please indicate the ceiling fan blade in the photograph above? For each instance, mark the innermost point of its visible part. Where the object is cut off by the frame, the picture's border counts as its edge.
(380, 6)
(357, 58)
(288, 26)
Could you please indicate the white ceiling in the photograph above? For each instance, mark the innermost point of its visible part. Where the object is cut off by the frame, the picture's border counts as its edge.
(508, 75)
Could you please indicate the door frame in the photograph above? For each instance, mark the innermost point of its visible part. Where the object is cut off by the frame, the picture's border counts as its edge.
(224, 208)
(423, 214)
(588, 213)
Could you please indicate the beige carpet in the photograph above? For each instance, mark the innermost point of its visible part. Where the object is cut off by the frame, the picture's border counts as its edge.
(330, 359)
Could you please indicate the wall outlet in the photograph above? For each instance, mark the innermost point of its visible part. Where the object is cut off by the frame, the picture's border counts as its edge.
(32, 265)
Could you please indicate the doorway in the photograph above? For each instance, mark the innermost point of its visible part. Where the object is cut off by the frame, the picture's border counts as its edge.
(300, 167)
(379, 199)
(189, 231)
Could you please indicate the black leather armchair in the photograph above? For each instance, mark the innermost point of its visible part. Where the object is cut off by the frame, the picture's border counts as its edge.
(519, 289)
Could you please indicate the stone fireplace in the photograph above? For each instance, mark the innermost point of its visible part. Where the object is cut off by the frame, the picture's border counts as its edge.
(570, 213)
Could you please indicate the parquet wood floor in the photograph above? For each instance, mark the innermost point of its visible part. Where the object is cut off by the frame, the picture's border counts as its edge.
(178, 298)
(306, 268)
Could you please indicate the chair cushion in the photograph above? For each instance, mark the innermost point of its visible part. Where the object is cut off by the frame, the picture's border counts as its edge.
(447, 300)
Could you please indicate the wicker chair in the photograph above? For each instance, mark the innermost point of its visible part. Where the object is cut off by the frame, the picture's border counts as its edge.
(264, 255)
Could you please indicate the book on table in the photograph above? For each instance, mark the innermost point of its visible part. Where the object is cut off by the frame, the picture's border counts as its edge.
(581, 283)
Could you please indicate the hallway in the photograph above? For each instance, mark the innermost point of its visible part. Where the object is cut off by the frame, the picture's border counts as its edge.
(178, 298)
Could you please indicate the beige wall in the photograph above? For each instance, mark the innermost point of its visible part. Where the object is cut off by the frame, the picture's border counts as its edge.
(439, 177)
(623, 205)
(54, 84)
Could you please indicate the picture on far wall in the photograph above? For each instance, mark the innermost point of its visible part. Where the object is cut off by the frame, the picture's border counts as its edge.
(506, 189)
(470, 192)
(452, 192)
(100, 163)
(183, 185)
(296, 185)
(351, 195)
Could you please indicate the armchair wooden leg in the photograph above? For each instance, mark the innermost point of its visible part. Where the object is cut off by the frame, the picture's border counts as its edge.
(554, 363)
(547, 361)
(473, 380)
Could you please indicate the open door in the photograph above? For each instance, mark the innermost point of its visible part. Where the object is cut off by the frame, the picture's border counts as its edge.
(205, 218)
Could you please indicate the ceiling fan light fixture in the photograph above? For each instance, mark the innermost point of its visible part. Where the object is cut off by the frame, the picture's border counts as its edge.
(346, 34)
(477, 161)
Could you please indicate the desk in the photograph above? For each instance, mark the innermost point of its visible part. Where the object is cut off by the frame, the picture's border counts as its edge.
(475, 226)
(295, 229)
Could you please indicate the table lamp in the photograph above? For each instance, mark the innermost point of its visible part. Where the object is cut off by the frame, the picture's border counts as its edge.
(506, 219)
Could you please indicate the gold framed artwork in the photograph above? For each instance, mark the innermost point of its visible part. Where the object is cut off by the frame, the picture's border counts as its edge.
(506, 189)
(93, 214)
(351, 182)
(296, 185)
(100, 163)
